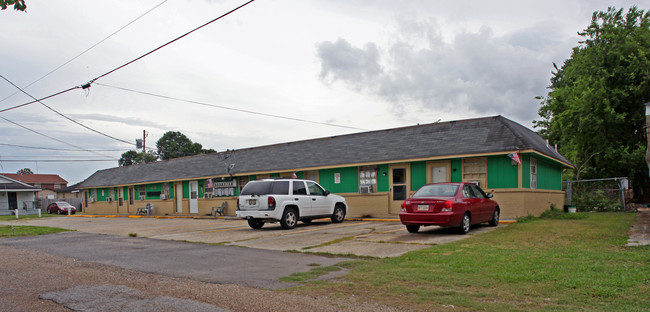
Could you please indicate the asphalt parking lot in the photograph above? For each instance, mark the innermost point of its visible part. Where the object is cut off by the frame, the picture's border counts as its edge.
(373, 238)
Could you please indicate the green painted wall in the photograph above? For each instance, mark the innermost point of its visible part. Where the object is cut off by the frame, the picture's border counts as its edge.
(457, 170)
(300, 175)
(155, 187)
(186, 189)
(501, 172)
(274, 175)
(349, 180)
(102, 194)
(418, 174)
(549, 175)
(382, 178)
(126, 192)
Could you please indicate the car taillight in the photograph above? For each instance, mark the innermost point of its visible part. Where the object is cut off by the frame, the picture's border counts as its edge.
(403, 206)
(271, 202)
(447, 206)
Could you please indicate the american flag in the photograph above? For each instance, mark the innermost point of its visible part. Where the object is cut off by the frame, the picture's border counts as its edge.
(515, 156)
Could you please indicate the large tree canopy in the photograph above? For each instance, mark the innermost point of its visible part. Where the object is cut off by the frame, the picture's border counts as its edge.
(19, 5)
(134, 157)
(595, 109)
(175, 144)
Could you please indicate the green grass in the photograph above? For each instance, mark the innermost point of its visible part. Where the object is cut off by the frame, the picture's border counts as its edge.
(314, 273)
(19, 230)
(20, 217)
(556, 263)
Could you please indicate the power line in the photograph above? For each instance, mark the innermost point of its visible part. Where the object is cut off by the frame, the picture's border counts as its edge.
(230, 108)
(82, 53)
(87, 85)
(53, 138)
(64, 116)
(56, 160)
(60, 149)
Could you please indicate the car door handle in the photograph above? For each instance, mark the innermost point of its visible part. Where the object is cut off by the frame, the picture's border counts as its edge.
(314, 199)
(296, 199)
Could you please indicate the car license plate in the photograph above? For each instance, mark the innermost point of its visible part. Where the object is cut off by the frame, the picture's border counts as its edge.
(423, 207)
(252, 201)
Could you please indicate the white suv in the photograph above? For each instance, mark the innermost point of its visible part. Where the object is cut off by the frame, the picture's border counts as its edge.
(288, 201)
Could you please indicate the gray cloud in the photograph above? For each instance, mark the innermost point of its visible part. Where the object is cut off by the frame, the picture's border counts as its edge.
(341, 61)
(475, 72)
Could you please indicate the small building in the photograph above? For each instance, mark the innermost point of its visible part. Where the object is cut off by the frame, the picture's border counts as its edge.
(16, 195)
(375, 170)
(48, 183)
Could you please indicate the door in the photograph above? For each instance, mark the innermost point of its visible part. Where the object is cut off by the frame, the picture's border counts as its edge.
(178, 197)
(194, 196)
(439, 171)
(400, 183)
(131, 196)
(301, 197)
(319, 203)
(13, 200)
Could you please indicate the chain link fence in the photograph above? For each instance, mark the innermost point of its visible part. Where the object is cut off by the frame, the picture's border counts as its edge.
(610, 194)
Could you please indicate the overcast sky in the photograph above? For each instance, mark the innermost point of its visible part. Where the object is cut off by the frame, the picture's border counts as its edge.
(355, 65)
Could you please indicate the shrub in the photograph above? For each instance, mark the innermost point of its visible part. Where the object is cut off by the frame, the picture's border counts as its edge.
(596, 201)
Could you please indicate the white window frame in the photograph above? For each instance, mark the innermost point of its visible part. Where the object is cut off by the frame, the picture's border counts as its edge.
(533, 173)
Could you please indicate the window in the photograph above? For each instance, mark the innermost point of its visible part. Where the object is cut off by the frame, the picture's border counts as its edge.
(468, 192)
(242, 182)
(142, 192)
(475, 170)
(299, 188)
(533, 173)
(367, 179)
(57, 186)
(314, 189)
(311, 175)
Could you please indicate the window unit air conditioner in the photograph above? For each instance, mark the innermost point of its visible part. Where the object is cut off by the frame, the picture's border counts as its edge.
(207, 195)
(110, 200)
(366, 189)
(141, 197)
(163, 196)
(92, 200)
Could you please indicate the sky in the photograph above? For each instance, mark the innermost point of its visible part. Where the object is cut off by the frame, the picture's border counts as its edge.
(273, 71)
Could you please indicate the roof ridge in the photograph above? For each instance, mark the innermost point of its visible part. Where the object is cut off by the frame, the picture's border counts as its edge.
(508, 125)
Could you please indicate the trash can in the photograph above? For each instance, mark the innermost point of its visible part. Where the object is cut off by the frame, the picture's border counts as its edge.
(572, 209)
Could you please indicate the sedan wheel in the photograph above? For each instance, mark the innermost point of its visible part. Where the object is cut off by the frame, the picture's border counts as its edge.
(495, 217)
(413, 228)
(464, 224)
(289, 219)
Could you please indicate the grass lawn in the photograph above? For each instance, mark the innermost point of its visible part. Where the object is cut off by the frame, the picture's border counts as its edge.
(20, 217)
(558, 263)
(20, 230)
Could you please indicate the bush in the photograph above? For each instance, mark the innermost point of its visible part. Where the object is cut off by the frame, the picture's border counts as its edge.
(596, 201)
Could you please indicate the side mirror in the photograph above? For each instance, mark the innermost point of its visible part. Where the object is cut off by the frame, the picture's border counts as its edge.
(489, 195)
(327, 192)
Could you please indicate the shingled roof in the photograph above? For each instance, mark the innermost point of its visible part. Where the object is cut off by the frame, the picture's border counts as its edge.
(11, 185)
(463, 137)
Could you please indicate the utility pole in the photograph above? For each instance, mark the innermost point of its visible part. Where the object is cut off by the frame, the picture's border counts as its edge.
(144, 145)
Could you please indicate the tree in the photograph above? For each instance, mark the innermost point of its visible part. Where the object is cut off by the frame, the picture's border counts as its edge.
(175, 144)
(25, 171)
(133, 157)
(19, 5)
(595, 109)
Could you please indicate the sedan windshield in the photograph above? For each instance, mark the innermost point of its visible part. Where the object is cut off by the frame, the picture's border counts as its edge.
(443, 190)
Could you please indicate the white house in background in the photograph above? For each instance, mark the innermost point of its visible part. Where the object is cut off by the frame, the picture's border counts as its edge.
(16, 195)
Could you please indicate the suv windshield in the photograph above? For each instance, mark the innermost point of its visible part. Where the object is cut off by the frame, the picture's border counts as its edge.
(266, 188)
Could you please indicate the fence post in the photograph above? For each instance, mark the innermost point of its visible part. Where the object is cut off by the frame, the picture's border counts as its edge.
(569, 193)
(16, 212)
(621, 190)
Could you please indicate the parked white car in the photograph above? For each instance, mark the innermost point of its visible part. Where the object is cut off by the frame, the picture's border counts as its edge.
(288, 201)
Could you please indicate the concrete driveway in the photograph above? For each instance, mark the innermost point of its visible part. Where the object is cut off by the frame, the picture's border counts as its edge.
(361, 238)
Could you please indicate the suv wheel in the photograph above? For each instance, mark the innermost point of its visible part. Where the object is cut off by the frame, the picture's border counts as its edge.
(339, 214)
(255, 224)
(289, 219)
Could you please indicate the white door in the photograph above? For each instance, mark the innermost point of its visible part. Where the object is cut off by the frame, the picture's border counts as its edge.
(439, 174)
(178, 195)
(194, 196)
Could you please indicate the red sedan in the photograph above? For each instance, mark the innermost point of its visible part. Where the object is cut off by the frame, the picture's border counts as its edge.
(449, 204)
(61, 208)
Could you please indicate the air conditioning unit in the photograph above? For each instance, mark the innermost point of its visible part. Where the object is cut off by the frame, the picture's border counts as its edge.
(141, 197)
(163, 196)
(110, 200)
(366, 189)
(92, 200)
(207, 195)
